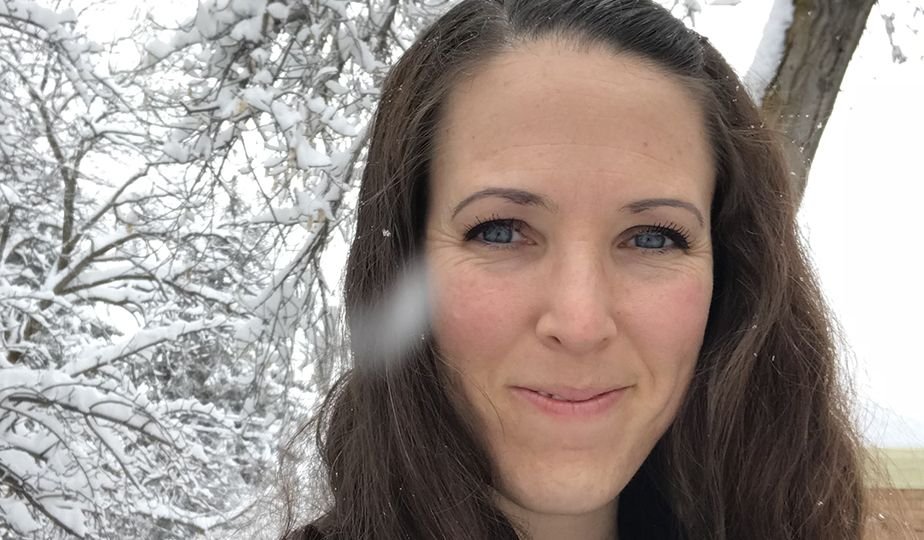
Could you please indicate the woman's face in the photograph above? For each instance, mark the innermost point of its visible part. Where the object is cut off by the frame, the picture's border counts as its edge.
(569, 255)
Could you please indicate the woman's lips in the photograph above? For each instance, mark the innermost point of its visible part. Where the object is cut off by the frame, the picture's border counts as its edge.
(571, 402)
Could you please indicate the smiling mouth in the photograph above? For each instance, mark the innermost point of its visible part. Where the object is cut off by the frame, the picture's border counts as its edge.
(571, 403)
(557, 397)
(567, 393)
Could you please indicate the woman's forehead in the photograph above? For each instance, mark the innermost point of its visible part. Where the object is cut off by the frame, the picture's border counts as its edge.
(551, 110)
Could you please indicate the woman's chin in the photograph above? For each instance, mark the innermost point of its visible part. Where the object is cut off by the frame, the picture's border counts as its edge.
(563, 496)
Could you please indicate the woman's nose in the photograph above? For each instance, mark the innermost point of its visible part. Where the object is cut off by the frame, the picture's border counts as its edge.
(578, 313)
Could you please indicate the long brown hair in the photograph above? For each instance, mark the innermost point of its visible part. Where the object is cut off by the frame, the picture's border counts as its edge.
(763, 446)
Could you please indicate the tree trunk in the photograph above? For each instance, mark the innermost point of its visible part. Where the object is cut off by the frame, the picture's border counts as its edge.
(800, 98)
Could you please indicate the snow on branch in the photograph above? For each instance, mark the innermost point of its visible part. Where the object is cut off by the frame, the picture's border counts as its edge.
(161, 229)
(94, 357)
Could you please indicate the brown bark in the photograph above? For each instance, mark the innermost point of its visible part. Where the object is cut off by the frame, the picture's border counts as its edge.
(800, 98)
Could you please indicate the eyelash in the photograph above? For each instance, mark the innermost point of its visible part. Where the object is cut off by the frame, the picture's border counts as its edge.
(677, 234)
(473, 230)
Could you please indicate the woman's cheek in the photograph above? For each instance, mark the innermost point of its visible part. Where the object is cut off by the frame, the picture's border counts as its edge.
(673, 319)
(475, 313)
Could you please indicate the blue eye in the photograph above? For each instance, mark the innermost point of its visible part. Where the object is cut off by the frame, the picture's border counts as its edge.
(650, 240)
(498, 233)
(495, 231)
(661, 238)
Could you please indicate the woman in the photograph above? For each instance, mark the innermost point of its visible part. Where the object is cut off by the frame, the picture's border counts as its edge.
(623, 336)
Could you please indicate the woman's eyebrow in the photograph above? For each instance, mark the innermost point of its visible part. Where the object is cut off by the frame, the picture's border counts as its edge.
(516, 196)
(648, 204)
(526, 198)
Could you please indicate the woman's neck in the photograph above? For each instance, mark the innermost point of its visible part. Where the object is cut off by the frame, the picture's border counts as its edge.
(599, 524)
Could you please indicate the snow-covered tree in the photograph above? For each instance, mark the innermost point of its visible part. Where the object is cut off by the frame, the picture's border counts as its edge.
(801, 61)
(820, 40)
(162, 305)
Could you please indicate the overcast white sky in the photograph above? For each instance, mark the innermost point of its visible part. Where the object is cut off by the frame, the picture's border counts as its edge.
(863, 208)
(861, 211)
